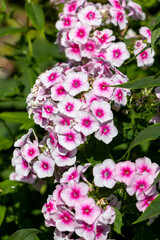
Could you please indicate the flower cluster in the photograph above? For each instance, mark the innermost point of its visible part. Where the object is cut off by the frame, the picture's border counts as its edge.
(138, 178)
(79, 26)
(69, 209)
(144, 58)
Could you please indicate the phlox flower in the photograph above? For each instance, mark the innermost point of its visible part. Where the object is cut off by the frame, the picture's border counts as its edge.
(145, 200)
(124, 172)
(145, 32)
(80, 33)
(119, 97)
(64, 219)
(108, 216)
(20, 142)
(65, 22)
(49, 208)
(145, 58)
(30, 150)
(64, 160)
(22, 166)
(89, 48)
(117, 53)
(71, 6)
(38, 119)
(86, 210)
(89, 15)
(57, 194)
(116, 4)
(49, 110)
(61, 120)
(139, 45)
(50, 77)
(101, 87)
(52, 139)
(89, 98)
(74, 192)
(135, 10)
(76, 82)
(85, 230)
(102, 231)
(73, 51)
(19, 177)
(69, 138)
(69, 106)
(87, 123)
(106, 132)
(44, 167)
(58, 92)
(104, 174)
(141, 183)
(145, 165)
(104, 37)
(101, 110)
(118, 17)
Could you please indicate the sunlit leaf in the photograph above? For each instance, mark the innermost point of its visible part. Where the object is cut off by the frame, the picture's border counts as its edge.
(5, 143)
(10, 30)
(15, 117)
(25, 234)
(2, 213)
(9, 186)
(118, 222)
(155, 35)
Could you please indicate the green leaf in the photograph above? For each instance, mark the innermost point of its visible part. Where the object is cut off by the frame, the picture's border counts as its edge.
(155, 35)
(36, 16)
(118, 221)
(151, 211)
(2, 213)
(149, 133)
(92, 161)
(147, 82)
(9, 186)
(156, 180)
(25, 234)
(10, 30)
(5, 143)
(15, 117)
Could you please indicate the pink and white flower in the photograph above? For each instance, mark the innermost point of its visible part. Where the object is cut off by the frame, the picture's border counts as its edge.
(145, 32)
(101, 87)
(44, 167)
(106, 132)
(145, 58)
(74, 192)
(50, 77)
(79, 33)
(89, 48)
(65, 22)
(73, 51)
(104, 37)
(64, 160)
(71, 6)
(86, 210)
(145, 200)
(102, 231)
(87, 124)
(76, 82)
(49, 208)
(21, 166)
(89, 15)
(118, 18)
(108, 216)
(101, 110)
(85, 230)
(58, 92)
(104, 174)
(124, 172)
(117, 53)
(69, 106)
(30, 150)
(49, 110)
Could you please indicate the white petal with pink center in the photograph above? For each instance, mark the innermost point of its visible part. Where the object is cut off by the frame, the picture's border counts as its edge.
(87, 210)
(69, 106)
(143, 203)
(116, 4)
(71, 6)
(66, 22)
(44, 167)
(30, 150)
(61, 120)
(104, 174)
(52, 140)
(104, 37)
(20, 142)
(101, 110)
(76, 82)
(89, 15)
(49, 208)
(106, 132)
(141, 183)
(58, 92)
(21, 166)
(102, 231)
(57, 194)
(117, 53)
(64, 160)
(73, 51)
(64, 220)
(79, 33)
(87, 123)
(50, 77)
(124, 172)
(136, 11)
(101, 87)
(144, 31)
(145, 165)
(85, 230)
(145, 58)
(74, 192)
(69, 138)
(49, 109)
(89, 48)
(118, 18)
(120, 97)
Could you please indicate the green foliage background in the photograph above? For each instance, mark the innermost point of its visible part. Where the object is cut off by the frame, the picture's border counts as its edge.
(27, 36)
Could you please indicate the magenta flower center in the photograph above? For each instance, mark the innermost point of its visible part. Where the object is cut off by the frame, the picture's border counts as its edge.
(86, 122)
(103, 86)
(81, 33)
(69, 107)
(67, 21)
(76, 83)
(48, 109)
(49, 207)
(117, 53)
(144, 55)
(86, 210)
(90, 46)
(126, 171)
(52, 77)
(60, 90)
(105, 130)
(25, 164)
(45, 165)
(103, 38)
(70, 137)
(120, 16)
(106, 173)
(66, 217)
(72, 7)
(31, 151)
(99, 112)
(90, 15)
(75, 193)
(75, 48)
